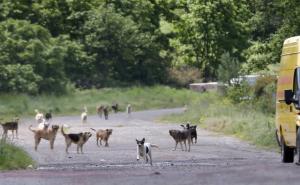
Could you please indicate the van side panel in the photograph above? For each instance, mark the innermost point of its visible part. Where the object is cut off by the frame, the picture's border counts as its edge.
(285, 115)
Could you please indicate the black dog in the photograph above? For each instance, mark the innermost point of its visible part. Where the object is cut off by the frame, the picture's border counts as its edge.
(193, 132)
(48, 116)
(115, 107)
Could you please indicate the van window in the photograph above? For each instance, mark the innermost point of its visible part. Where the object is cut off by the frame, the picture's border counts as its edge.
(296, 84)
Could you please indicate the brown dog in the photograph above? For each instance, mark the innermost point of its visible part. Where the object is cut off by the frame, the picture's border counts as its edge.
(11, 125)
(99, 110)
(79, 138)
(102, 135)
(46, 133)
(182, 136)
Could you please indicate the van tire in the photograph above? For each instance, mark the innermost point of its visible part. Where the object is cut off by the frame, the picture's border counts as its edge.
(298, 145)
(287, 153)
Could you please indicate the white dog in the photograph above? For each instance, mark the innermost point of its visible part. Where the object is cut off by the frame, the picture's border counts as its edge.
(84, 115)
(144, 150)
(39, 117)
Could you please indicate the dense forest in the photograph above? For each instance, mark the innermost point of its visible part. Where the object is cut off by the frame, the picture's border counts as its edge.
(47, 46)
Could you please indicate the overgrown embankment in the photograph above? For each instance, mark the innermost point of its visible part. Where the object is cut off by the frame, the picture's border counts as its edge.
(217, 113)
(13, 157)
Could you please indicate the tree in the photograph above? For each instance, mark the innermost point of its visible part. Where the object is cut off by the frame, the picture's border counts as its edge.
(212, 28)
(31, 47)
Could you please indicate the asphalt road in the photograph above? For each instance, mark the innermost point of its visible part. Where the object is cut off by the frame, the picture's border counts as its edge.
(215, 159)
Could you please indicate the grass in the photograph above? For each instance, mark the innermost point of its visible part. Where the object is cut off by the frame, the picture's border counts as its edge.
(12, 157)
(141, 98)
(216, 113)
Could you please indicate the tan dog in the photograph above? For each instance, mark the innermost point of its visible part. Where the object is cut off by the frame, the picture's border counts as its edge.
(79, 138)
(99, 110)
(46, 133)
(102, 135)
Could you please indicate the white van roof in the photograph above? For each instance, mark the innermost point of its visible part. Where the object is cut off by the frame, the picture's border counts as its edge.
(292, 40)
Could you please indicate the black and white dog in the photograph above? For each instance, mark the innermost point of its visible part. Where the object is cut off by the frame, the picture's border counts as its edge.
(144, 150)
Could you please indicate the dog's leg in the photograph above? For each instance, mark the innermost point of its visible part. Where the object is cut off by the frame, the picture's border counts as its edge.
(37, 142)
(98, 141)
(106, 143)
(189, 143)
(181, 146)
(78, 148)
(150, 156)
(68, 145)
(185, 145)
(196, 138)
(81, 146)
(51, 144)
(17, 133)
(145, 158)
(137, 153)
(176, 142)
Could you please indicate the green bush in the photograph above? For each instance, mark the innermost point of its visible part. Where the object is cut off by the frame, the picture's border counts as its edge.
(12, 157)
(182, 76)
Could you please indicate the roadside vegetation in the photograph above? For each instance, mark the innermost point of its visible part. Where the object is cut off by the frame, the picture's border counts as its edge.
(141, 98)
(240, 111)
(13, 157)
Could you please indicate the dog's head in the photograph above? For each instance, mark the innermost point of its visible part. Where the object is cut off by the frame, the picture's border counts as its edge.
(86, 135)
(109, 131)
(141, 142)
(55, 127)
(173, 133)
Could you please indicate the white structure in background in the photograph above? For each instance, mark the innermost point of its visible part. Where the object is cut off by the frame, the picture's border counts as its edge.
(209, 86)
(249, 79)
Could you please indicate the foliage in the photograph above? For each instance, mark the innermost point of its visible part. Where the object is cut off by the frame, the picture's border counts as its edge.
(12, 157)
(182, 76)
(141, 98)
(217, 113)
(96, 43)
(229, 68)
(212, 28)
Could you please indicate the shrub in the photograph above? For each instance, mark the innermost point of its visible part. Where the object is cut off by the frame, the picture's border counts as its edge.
(184, 75)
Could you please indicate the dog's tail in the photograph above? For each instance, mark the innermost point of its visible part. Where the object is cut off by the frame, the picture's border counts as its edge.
(30, 128)
(93, 129)
(153, 145)
(62, 131)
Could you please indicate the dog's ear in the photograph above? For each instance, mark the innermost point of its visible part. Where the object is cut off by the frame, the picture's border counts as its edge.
(143, 140)
(182, 126)
(137, 141)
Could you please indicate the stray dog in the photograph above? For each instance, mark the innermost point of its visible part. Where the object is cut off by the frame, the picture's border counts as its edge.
(193, 132)
(102, 135)
(100, 110)
(106, 111)
(144, 150)
(46, 133)
(115, 107)
(11, 125)
(128, 109)
(84, 115)
(181, 136)
(39, 117)
(48, 116)
(79, 138)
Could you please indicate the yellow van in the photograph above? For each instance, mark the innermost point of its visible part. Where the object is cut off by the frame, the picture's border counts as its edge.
(288, 100)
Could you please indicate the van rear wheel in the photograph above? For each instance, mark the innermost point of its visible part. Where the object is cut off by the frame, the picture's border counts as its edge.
(287, 153)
